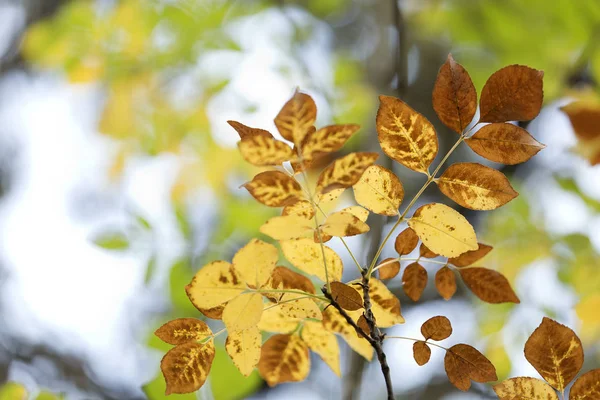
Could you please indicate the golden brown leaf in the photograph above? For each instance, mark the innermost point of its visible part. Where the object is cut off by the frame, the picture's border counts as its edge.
(443, 230)
(213, 312)
(421, 353)
(248, 132)
(214, 284)
(471, 257)
(284, 358)
(406, 242)
(358, 212)
(274, 189)
(285, 317)
(405, 135)
(183, 330)
(343, 224)
(243, 312)
(445, 282)
(363, 325)
(345, 171)
(284, 278)
(379, 190)
(255, 261)
(321, 237)
(334, 322)
(307, 256)
(476, 186)
(301, 208)
(326, 140)
(464, 363)
(489, 285)
(346, 296)
(384, 304)
(286, 227)
(585, 118)
(414, 281)
(454, 96)
(425, 252)
(436, 328)
(513, 93)
(555, 352)
(586, 387)
(244, 349)
(262, 150)
(390, 268)
(504, 143)
(324, 343)
(186, 367)
(524, 388)
(297, 117)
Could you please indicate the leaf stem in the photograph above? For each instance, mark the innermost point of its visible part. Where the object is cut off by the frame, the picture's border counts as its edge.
(291, 291)
(417, 340)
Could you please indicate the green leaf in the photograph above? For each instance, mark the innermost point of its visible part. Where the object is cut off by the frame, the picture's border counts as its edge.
(112, 241)
(13, 391)
(227, 382)
(181, 274)
(150, 269)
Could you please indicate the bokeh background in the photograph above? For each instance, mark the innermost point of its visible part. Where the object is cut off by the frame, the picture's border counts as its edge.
(119, 176)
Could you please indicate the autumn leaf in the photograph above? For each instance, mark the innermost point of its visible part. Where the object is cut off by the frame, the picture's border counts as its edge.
(425, 252)
(445, 282)
(436, 328)
(389, 268)
(322, 342)
(414, 281)
(326, 140)
(421, 353)
(247, 132)
(307, 256)
(524, 388)
(334, 322)
(183, 330)
(342, 224)
(513, 93)
(243, 312)
(454, 96)
(255, 261)
(346, 296)
(284, 358)
(379, 190)
(357, 211)
(283, 278)
(301, 208)
(287, 227)
(214, 284)
(476, 186)
(297, 117)
(555, 352)
(504, 143)
(262, 150)
(471, 257)
(274, 189)
(586, 387)
(345, 171)
(244, 348)
(384, 304)
(405, 135)
(186, 367)
(406, 242)
(464, 363)
(443, 230)
(213, 312)
(285, 317)
(585, 118)
(489, 285)
(363, 324)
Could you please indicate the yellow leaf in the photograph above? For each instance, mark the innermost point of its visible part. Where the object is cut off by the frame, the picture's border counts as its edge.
(476, 186)
(262, 150)
(297, 117)
(284, 358)
(243, 312)
(214, 284)
(587, 311)
(524, 388)
(384, 304)
(334, 322)
(343, 224)
(288, 227)
(327, 140)
(244, 349)
(358, 212)
(301, 208)
(324, 198)
(183, 330)
(274, 189)
(323, 343)
(285, 317)
(345, 171)
(255, 261)
(443, 230)
(586, 387)
(307, 256)
(379, 190)
(186, 367)
(405, 135)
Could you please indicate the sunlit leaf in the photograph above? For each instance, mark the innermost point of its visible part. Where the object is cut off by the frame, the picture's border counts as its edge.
(284, 358)
(471, 257)
(283, 278)
(586, 387)
(255, 261)
(286, 227)
(406, 242)
(246, 132)
(358, 212)
(214, 284)
(274, 189)
(384, 304)
(301, 208)
(186, 367)
(421, 352)
(346, 296)
(524, 388)
(333, 321)
(243, 347)
(297, 117)
(414, 281)
(285, 317)
(324, 343)
(326, 140)
(243, 312)
(263, 150)
(345, 171)
(464, 363)
(445, 282)
(343, 224)
(183, 330)
(307, 256)
(379, 190)
(436, 328)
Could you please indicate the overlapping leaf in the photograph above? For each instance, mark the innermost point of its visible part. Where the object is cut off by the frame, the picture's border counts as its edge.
(346, 296)
(345, 171)
(307, 256)
(324, 343)
(286, 227)
(284, 358)
(214, 284)
(471, 257)
(406, 242)
(255, 261)
(343, 224)
(464, 363)
(326, 140)
(274, 189)
(186, 366)
(333, 321)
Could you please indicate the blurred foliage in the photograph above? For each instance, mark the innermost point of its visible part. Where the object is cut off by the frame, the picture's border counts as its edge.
(16, 391)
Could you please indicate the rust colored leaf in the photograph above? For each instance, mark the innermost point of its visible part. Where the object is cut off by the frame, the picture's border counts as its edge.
(524, 388)
(406, 242)
(476, 186)
(364, 325)
(390, 268)
(436, 328)
(586, 387)
(274, 189)
(504, 143)
(297, 117)
(263, 150)
(555, 352)
(284, 278)
(414, 281)
(489, 285)
(425, 252)
(421, 353)
(346, 296)
(445, 282)
(324, 237)
(464, 363)
(405, 135)
(513, 93)
(326, 140)
(585, 118)
(345, 171)
(454, 96)
(284, 358)
(186, 367)
(379, 190)
(183, 330)
(248, 132)
(213, 312)
(471, 257)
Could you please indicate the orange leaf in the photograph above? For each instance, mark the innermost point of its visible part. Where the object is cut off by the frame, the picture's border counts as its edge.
(586, 387)
(274, 189)
(513, 93)
(464, 363)
(585, 118)
(346, 296)
(454, 96)
(471, 257)
(297, 117)
(414, 281)
(489, 285)
(436, 328)
(421, 352)
(406, 241)
(390, 269)
(445, 282)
